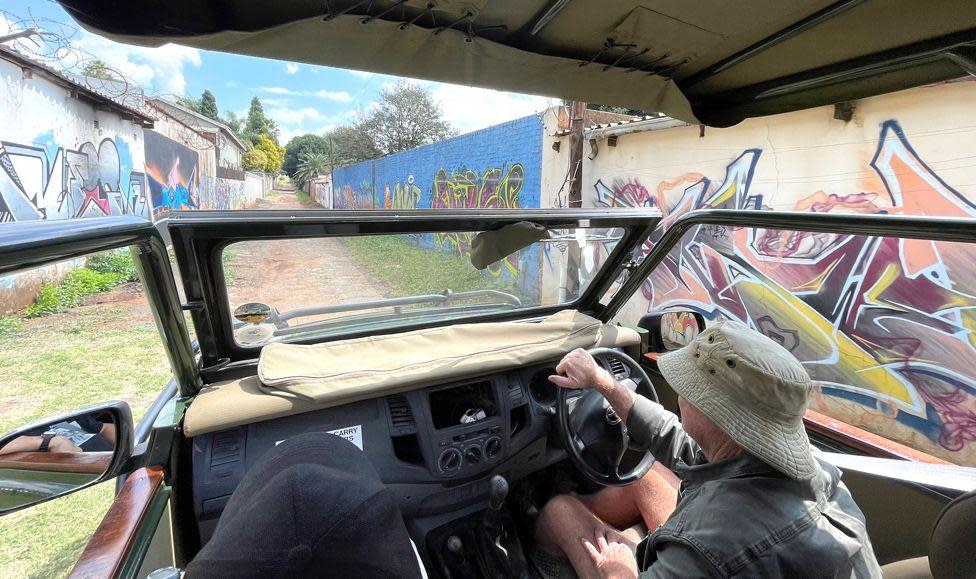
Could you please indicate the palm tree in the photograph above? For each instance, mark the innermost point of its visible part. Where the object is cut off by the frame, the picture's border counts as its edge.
(310, 166)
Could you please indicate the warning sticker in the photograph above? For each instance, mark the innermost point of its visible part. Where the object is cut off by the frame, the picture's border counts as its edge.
(353, 434)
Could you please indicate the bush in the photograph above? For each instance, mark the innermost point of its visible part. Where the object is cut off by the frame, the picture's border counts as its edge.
(80, 282)
(118, 261)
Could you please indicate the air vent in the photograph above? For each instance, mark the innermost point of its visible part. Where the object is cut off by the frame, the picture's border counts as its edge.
(617, 367)
(401, 418)
(516, 396)
(226, 447)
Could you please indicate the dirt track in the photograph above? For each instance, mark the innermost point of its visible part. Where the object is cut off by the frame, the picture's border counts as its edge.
(297, 273)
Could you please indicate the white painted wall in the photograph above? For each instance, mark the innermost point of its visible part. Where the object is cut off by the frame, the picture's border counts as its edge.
(57, 147)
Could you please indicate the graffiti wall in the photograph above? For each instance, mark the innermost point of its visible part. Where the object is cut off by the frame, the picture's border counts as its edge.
(86, 164)
(887, 326)
(498, 167)
(171, 174)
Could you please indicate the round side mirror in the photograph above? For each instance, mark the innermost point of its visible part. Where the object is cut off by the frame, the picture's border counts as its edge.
(252, 312)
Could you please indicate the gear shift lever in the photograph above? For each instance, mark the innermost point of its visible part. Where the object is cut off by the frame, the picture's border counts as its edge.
(498, 540)
(497, 492)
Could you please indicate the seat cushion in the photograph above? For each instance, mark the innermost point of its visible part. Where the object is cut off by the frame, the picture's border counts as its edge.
(952, 549)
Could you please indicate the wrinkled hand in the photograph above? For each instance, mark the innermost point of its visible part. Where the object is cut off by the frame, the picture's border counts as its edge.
(578, 369)
(613, 560)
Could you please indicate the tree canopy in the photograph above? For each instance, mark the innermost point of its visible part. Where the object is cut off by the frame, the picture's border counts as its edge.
(208, 105)
(257, 123)
(405, 117)
(299, 146)
(97, 68)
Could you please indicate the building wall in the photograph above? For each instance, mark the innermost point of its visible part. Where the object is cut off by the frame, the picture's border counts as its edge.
(886, 325)
(61, 158)
(498, 167)
(321, 191)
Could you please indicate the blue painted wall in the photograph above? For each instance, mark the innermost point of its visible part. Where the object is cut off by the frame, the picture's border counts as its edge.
(498, 167)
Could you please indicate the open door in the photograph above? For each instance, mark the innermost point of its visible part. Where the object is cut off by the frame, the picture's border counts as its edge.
(65, 452)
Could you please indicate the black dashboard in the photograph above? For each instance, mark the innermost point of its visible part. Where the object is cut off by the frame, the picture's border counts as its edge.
(435, 447)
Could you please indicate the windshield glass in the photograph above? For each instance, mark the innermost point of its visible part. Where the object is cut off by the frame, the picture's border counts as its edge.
(335, 285)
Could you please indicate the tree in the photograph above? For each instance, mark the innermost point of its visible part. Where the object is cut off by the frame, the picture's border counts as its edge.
(274, 153)
(97, 68)
(298, 147)
(208, 105)
(233, 122)
(351, 145)
(254, 160)
(310, 166)
(406, 117)
(257, 124)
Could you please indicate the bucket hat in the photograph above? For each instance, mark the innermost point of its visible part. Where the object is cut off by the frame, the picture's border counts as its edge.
(752, 388)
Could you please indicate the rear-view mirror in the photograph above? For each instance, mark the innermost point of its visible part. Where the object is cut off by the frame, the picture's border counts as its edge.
(63, 454)
(671, 330)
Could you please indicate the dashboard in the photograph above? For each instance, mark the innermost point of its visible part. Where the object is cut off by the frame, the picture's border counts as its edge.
(435, 447)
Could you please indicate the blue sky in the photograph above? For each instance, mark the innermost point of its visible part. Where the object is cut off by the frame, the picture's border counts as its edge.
(301, 98)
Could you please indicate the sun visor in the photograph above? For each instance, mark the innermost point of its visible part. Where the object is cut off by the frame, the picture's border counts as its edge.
(490, 246)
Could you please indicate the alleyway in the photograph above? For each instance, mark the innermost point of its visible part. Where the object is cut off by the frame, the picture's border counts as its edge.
(289, 274)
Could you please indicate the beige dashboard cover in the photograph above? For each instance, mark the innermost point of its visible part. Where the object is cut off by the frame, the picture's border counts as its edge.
(298, 378)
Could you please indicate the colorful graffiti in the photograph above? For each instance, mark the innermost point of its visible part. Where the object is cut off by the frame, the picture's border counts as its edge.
(497, 188)
(886, 325)
(52, 182)
(356, 198)
(171, 171)
(403, 196)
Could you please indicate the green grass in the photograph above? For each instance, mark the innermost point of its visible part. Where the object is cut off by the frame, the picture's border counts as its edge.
(406, 269)
(102, 273)
(54, 364)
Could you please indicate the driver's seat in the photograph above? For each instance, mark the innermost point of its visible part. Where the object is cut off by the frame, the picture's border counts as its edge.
(952, 546)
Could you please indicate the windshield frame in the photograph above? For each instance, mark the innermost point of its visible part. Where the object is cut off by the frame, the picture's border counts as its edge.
(199, 238)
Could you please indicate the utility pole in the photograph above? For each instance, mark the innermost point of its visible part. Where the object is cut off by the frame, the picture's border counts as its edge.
(577, 109)
(576, 112)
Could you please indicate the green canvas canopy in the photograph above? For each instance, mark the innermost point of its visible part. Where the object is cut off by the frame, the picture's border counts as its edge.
(710, 61)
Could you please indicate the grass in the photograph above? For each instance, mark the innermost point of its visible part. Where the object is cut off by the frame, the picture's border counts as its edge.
(53, 364)
(406, 269)
(102, 273)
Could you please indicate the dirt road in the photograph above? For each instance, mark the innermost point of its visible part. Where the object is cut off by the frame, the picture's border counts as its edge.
(296, 273)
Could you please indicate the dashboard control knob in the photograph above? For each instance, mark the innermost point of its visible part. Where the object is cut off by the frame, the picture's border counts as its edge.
(493, 447)
(472, 455)
(449, 460)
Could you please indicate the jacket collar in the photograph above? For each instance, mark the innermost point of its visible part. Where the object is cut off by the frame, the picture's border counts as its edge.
(743, 465)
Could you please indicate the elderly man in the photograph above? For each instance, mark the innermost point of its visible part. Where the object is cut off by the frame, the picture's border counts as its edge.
(753, 500)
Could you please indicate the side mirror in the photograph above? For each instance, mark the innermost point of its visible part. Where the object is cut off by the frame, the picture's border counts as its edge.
(64, 454)
(671, 330)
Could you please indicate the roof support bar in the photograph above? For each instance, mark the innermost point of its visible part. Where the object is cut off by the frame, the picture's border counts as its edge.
(810, 21)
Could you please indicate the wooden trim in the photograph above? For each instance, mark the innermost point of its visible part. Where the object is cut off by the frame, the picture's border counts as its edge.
(847, 434)
(864, 441)
(106, 551)
(73, 462)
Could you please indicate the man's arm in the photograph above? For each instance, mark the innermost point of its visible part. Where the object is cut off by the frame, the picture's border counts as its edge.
(650, 426)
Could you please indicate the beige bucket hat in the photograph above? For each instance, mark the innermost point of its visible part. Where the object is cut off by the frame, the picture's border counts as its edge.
(750, 387)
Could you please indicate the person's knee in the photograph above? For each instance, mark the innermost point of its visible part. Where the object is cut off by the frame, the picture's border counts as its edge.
(557, 511)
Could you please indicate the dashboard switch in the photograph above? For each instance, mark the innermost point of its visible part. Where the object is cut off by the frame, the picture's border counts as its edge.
(449, 460)
(472, 455)
(493, 447)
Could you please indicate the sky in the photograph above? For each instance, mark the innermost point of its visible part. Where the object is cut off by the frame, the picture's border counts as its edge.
(301, 98)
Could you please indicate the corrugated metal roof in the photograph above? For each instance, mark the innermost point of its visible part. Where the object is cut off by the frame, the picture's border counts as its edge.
(634, 125)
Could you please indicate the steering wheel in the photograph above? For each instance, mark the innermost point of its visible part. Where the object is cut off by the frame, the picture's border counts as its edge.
(589, 422)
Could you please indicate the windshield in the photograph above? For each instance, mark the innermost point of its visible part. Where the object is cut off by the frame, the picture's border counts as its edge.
(282, 289)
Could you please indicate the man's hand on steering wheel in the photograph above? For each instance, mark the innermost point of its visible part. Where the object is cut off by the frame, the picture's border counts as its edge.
(578, 369)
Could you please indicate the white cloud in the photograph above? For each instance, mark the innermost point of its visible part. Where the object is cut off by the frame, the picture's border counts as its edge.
(157, 69)
(337, 96)
(469, 108)
(279, 90)
(289, 116)
(291, 68)
(360, 73)
(232, 83)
